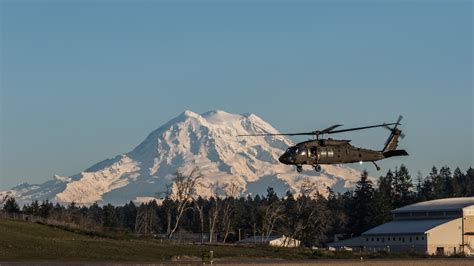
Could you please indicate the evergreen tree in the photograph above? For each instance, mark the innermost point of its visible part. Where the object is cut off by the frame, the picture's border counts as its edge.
(244, 217)
(361, 210)
(437, 183)
(129, 214)
(95, 213)
(383, 198)
(271, 195)
(45, 209)
(459, 183)
(11, 206)
(426, 191)
(57, 213)
(289, 222)
(110, 218)
(470, 182)
(402, 186)
(338, 219)
(445, 174)
(34, 208)
(73, 213)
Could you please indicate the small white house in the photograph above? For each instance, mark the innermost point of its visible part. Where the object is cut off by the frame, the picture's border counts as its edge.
(273, 240)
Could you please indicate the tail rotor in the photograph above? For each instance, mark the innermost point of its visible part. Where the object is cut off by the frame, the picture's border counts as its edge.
(392, 141)
(395, 128)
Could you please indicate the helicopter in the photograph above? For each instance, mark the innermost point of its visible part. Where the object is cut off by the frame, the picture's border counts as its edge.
(316, 151)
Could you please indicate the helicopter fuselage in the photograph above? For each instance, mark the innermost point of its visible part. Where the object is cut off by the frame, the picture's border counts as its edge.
(328, 151)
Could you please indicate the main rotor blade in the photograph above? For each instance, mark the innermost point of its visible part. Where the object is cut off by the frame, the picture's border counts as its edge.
(358, 128)
(280, 134)
(324, 131)
(328, 130)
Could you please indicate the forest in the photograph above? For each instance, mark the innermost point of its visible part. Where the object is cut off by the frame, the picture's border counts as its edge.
(181, 215)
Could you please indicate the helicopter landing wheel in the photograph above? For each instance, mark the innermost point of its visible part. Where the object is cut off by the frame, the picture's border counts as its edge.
(317, 167)
(376, 166)
(299, 168)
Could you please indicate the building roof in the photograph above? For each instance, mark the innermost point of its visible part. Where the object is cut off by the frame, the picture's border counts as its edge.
(449, 204)
(399, 227)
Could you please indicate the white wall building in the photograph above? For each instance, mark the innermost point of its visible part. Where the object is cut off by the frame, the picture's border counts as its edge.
(444, 226)
(273, 240)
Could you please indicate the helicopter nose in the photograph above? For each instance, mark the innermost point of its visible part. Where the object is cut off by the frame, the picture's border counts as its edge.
(284, 159)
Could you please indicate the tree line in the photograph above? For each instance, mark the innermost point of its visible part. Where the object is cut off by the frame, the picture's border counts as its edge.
(227, 216)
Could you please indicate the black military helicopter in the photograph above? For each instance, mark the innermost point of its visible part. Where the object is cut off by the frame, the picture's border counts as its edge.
(332, 151)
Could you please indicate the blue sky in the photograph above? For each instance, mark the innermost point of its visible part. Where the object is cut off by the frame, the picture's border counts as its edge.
(82, 81)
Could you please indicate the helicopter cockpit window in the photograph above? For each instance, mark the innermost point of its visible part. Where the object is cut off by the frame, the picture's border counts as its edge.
(292, 150)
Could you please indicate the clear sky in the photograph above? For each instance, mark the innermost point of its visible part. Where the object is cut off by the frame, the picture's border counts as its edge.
(82, 81)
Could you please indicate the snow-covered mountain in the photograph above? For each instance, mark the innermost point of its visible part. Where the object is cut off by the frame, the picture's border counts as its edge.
(208, 141)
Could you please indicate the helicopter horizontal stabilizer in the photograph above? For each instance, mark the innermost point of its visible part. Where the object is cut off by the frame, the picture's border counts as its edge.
(393, 153)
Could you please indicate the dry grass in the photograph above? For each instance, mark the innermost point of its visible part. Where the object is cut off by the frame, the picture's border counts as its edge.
(424, 262)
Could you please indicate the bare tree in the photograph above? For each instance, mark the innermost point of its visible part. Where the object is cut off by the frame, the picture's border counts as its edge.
(181, 192)
(214, 210)
(273, 213)
(199, 207)
(231, 192)
(303, 213)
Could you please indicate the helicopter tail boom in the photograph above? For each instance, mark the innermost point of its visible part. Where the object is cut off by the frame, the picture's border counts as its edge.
(392, 153)
(392, 141)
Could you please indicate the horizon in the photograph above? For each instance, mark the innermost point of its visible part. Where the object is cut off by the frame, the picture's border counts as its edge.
(82, 82)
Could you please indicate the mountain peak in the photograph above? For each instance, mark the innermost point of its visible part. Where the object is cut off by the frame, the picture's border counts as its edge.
(209, 142)
(214, 113)
(189, 113)
(220, 117)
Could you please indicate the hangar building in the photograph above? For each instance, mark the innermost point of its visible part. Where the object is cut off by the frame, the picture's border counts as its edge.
(443, 227)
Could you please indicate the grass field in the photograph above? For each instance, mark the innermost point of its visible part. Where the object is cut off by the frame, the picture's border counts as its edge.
(26, 241)
(30, 241)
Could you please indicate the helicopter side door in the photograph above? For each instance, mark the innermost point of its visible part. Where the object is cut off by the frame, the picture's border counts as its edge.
(322, 155)
(312, 154)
